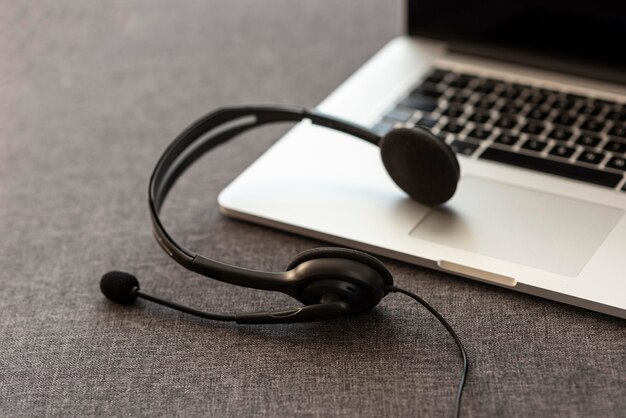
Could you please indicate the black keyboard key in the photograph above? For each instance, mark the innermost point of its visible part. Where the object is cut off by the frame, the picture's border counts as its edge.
(436, 76)
(461, 147)
(427, 90)
(618, 130)
(506, 139)
(426, 122)
(419, 103)
(522, 87)
(479, 133)
(615, 146)
(565, 119)
(506, 122)
(513, 108)
(400, 115)
(459, 100)
(536, 97)
(432, 80)
(486, 86)
(591, 157)
(480, 117)
(459, 84)
(453, 127)
(549, 93)
(382, 128)
(495, 81)
(590, 109)
(588, 140)
(537, 114)
(453, 111)
(562, 151)
(592, 125)
(486, 103)
(603, 102)
(575, 97)
(510, 92)
(564, 169)
(534, 145)
(461, 81)
(534, 128)
(618, 116)
(562, 103)
(617, 163)
(560, 134)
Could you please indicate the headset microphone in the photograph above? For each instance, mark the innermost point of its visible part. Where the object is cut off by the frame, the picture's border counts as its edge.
(123, 288)
(328, 282)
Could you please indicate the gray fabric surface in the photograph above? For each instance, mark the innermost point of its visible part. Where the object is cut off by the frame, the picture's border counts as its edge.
(90, 94)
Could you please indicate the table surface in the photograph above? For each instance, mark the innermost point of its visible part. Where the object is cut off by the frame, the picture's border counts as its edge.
(90, 95)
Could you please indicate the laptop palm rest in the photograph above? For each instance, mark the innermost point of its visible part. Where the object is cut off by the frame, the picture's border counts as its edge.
(520, 225)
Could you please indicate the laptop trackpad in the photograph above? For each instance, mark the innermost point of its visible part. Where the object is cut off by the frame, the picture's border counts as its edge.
(519, 225)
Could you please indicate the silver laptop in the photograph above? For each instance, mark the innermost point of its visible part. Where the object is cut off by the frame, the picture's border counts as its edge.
(532, 97)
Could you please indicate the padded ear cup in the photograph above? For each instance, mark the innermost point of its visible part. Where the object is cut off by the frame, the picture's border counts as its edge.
(421, 164)
(338, 252)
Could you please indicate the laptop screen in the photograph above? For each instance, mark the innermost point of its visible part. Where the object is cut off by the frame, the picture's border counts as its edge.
(591, 35)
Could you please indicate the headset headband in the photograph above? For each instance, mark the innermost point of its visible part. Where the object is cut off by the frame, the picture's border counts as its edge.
(200, 137)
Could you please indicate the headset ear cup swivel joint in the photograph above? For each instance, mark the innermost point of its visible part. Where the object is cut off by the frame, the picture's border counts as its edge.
(331, 273)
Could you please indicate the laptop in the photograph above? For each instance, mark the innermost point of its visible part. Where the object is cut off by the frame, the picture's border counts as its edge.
(530, 95)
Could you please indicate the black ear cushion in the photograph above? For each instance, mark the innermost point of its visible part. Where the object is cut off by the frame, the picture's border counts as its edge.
(420, 164)
(337, 252)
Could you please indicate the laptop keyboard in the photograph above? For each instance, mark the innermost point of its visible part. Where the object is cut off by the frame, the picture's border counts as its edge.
(555, 132)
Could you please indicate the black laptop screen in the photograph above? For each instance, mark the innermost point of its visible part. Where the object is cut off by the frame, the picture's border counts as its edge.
(589, 33)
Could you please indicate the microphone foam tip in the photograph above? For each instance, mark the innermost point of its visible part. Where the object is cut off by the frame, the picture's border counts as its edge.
(119, 287)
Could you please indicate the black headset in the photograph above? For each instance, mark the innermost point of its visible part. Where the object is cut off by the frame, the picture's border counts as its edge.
(329, 282)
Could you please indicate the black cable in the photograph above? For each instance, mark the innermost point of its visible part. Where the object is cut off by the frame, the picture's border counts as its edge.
(459, 390)
(186, 309)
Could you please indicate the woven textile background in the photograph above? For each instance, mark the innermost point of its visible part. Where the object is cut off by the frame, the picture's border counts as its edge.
(90, 95)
